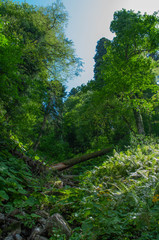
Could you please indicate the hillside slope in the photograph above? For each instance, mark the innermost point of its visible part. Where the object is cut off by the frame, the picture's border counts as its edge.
(118, 199)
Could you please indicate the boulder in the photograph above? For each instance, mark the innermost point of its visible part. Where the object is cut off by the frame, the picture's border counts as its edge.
(2, 218)
(43, 213)
(9, 237)
(40, 238)
(18, 237)
(37, 231)
(57, 221)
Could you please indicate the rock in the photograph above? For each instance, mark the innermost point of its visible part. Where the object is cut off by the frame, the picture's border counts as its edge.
(16, 228)
(18, 237)
(47, 225)
(26, 232)
(13, 227)
(9, 237)
(36, 231)
(42, 221)
(57, 221)
(2, 218)
(40, 238)
(43, 214)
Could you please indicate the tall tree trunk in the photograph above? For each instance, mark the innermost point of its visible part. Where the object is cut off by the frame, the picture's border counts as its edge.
(139, 121)
(43, 126)
(40, 133)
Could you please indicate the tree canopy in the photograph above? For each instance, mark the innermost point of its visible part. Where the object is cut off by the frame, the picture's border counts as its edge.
(36, 60)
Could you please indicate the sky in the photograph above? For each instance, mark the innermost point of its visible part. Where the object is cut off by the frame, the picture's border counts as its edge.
(89, 20)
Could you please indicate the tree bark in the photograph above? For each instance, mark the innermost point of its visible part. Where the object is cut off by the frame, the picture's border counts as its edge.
(40, 133)
(46, 113)
(139, 121)
(38, 167)
(73, 161)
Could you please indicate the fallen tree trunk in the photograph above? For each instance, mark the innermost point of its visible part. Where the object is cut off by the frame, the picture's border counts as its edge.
(73, 161)
(39, 167)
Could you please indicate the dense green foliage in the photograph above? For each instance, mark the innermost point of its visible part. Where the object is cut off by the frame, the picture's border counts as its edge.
(123, 97)
(120, 198)
(14, 181)
(35, 61)
(116, 200)
(113, 197)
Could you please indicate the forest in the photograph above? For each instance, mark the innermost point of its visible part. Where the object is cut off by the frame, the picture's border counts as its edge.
(82, 165)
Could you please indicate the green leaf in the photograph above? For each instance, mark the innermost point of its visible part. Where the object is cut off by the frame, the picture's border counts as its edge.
(12, 190)
(35, 215)
(4, 195)
(37, 158)
(22, 191)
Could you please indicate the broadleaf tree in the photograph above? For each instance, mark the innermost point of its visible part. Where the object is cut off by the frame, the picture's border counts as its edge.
(40, 54)
(127, 68)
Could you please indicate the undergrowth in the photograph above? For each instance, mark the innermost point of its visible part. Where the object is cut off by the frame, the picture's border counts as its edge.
(19, 189)
(118, 199)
